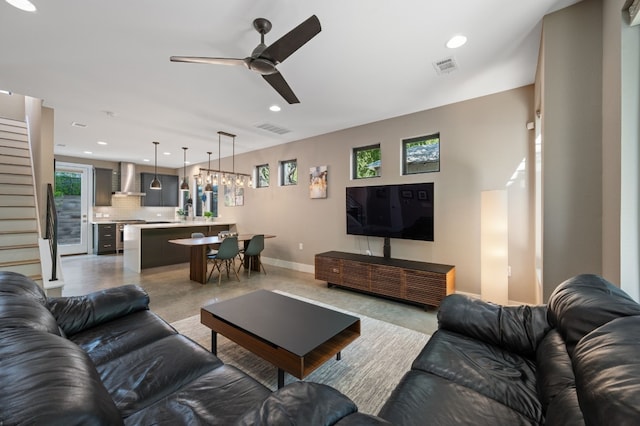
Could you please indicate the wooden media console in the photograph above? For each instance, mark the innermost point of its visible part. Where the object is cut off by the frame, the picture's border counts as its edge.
(406, 280)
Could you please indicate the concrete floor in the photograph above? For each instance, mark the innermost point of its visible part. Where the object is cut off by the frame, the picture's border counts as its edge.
(174, 297)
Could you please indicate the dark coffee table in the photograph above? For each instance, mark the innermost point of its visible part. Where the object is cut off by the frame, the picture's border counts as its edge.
(295, 336)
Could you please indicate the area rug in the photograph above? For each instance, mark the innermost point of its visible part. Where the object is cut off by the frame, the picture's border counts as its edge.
(369, 370)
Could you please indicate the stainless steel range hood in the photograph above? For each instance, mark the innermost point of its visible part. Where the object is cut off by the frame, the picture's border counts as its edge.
(127, 178)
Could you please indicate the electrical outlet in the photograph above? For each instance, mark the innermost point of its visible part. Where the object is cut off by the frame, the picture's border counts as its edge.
(368, 252)
(98, 215)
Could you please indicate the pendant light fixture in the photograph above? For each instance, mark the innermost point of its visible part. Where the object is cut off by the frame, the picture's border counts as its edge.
(184, 186)
(208, 187)
(155, 183)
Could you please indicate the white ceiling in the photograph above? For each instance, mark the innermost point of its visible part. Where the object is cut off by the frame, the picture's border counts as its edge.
(106, 64)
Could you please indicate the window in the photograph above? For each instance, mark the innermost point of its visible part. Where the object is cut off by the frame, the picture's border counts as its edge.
(262, 176)
(421, 154)
(366, 162)
(289, 172)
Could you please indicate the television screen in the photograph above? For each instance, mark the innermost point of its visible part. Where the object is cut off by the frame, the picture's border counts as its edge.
(394, 211)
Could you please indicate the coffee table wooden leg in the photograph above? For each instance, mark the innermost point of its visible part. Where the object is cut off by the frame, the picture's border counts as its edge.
(214, 342)
(280, 378)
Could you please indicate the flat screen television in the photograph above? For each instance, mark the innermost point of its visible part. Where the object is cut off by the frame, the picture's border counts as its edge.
(392, 211)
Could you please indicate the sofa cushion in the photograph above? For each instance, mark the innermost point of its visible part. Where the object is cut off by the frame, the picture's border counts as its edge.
(218, 397)
(564, 410)
(149, 373)
(554, 369)
(120, 336)
(425, 399)
(20, 285)
(301, 403)
(78, 313)
(607, 370)
(498, 374)
(46, 379)
(19, 311)
(585, 302)
(517, 329)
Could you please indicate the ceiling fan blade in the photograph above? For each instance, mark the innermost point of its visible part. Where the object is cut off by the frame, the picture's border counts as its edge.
(277, 81)
(205, 60)
(282, 48)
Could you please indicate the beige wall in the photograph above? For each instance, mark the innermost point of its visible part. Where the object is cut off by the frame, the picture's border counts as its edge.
(483, 141)
(12, 107)
(572, 143)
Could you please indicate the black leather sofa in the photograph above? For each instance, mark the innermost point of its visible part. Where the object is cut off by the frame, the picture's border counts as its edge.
(105, 359)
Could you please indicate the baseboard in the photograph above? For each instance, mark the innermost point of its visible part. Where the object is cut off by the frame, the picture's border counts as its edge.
(300, 267)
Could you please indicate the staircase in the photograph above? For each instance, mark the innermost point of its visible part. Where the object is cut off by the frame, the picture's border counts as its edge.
(19, 235)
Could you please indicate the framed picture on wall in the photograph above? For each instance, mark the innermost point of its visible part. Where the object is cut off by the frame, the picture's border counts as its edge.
(318, 182)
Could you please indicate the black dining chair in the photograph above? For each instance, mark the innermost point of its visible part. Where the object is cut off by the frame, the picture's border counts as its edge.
(252, 254)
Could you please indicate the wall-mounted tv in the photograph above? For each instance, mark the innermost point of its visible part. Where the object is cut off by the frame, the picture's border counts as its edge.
(392, 211)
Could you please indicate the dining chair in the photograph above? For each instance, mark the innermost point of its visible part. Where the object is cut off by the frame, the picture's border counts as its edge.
(252, 253)
(227, 253)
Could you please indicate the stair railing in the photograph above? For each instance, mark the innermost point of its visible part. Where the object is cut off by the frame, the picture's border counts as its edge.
(52, 232)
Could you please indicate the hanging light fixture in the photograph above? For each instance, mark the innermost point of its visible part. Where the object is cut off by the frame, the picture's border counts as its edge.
(184, 186)
(155, 183)
(208, 187)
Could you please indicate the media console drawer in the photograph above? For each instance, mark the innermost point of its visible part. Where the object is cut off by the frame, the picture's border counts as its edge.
(417, 282)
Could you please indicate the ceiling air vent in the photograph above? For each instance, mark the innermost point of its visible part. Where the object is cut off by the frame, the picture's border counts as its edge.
(269, 127)
(446, 65)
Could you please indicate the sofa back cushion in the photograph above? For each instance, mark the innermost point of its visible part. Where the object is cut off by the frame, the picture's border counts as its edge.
(13, 283)
(47, 379)
(18, 312)
(585, 302)
(554, 373)
(607, 369)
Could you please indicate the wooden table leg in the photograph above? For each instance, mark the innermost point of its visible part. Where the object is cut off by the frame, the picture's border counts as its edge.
(198, 264)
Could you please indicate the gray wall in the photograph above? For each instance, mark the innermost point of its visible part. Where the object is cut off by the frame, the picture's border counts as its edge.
(572, 148)
(483, 142)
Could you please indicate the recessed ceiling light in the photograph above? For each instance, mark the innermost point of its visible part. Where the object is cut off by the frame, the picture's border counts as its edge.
(102, 143)
(25, 5)
(146, 160)
(88, 152)
(456, 41)
(274, 108)
(166, 153)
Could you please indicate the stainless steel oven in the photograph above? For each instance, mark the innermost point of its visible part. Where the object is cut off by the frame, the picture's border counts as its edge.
(120, 232)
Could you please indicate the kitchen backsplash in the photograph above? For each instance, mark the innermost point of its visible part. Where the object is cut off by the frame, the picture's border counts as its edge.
(129, 208)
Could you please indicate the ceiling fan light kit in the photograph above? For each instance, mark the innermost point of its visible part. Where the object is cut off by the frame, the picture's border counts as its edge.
(264, 59)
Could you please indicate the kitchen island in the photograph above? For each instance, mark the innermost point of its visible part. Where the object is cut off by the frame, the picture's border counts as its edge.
(147, 245)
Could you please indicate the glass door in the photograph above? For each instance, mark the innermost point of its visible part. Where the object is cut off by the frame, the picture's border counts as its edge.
(71, 193)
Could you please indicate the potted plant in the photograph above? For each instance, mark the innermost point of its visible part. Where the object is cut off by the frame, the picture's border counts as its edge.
(208, 216)
(182, 214)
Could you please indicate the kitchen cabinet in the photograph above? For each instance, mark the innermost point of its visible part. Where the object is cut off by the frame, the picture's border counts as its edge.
(165, 197)
(104, 238)
(102, 187)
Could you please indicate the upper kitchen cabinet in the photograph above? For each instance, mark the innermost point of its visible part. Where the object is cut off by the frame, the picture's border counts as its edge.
(102, 187)
(165, 197)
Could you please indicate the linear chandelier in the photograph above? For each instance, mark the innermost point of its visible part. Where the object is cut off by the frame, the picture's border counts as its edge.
(218, 176)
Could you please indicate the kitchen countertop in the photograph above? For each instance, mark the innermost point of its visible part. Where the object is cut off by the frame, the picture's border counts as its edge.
(186, 224)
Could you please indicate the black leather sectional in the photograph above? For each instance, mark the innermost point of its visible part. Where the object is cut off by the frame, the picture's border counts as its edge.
(105, 359)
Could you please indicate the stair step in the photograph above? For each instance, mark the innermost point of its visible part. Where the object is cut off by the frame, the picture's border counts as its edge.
(14, 136)
(13, 127)
(14, 239)
(13, 151)
(17, 200)
(14, 160)
(25, 268)
(15, 169)
(15, 254)
(16, 179)
(24, 225)
(13, 143)
(13, 189)
(12, 122)
(12, 212)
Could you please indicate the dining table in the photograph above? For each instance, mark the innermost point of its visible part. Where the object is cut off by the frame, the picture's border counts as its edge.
(199, 247)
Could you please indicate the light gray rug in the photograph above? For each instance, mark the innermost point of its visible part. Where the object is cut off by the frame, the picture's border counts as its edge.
(369, 370)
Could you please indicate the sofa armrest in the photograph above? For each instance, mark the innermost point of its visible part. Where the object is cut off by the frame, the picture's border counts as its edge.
(518, 329)
(300, 403)
(78, 313)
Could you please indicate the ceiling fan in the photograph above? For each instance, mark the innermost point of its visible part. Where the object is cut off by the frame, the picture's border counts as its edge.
(264, 59)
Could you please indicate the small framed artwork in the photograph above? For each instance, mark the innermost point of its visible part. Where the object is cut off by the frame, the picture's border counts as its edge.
(318, 182)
